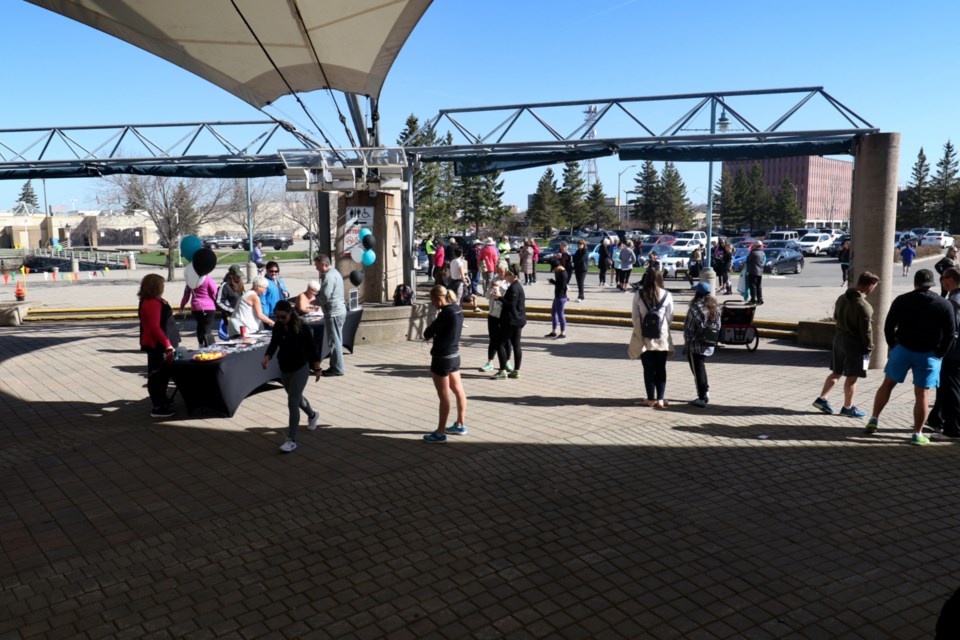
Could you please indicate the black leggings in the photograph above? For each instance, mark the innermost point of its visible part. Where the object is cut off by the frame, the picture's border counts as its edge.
(205, 321)
(158, 377)
(509, 336)
(581, 276)
(493, 331)
(603, 274)
(654, 373)
(699, 368)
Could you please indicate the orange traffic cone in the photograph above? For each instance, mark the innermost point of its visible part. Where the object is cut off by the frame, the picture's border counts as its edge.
(20, 293)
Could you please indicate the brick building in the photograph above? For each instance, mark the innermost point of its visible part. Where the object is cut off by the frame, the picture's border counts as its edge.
(824, 185)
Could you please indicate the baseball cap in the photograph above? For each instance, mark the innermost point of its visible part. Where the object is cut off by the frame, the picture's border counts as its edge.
(235, 270)
(924, 278)
(702, 288)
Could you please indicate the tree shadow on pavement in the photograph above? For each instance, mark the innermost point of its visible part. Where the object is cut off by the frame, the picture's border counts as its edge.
(813, 433)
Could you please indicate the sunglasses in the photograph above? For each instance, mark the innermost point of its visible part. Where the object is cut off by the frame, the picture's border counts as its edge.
(274, 271)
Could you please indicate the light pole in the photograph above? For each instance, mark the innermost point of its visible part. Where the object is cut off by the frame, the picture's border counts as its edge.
(176, 217)
(619, 209)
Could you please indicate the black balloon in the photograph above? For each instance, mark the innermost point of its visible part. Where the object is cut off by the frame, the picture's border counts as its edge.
(356, 276)
(204, 261)
(369, 242)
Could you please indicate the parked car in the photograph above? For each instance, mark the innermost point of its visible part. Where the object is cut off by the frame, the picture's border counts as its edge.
(919, 232)
(782, 261)
(698, 237)
(277, 241)
(548, 254)
(666, 239)
(834, 249)
(813, 244)
(793, 245)
(940, 239)
(784, 235)
(739, 258)
(676, 261)
(663, 250)
(687, 244)
(901, 238)
(217, 242)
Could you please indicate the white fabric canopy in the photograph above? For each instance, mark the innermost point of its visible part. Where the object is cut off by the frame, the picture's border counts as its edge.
(348, 45)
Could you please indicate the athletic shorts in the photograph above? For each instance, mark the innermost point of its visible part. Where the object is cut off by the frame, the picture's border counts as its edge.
(846, 358)
(925, 367)
(445, 365)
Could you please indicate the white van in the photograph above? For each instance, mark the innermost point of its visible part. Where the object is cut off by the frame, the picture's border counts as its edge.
(783, 235)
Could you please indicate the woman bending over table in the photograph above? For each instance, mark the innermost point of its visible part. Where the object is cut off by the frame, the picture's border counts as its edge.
(249, 314)
(307, 301)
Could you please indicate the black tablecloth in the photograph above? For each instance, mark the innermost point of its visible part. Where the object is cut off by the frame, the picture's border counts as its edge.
(350, 325)
(223, 384)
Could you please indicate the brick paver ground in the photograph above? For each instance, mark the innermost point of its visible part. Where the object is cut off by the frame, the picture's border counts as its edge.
(568, 511)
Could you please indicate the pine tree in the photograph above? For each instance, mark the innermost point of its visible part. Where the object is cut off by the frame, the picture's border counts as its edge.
(673, 207)
(786, 209)
(759, 203)
(574, 212)
(28, 196)
(943, 190)
(544, 211)
(648, 194)
(599, 213)
(432, 182)
(916, 203)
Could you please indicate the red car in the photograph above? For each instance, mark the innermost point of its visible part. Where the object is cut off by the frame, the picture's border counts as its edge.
(666, 239)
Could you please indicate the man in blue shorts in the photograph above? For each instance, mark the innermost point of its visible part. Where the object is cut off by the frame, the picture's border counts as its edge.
(919, 330)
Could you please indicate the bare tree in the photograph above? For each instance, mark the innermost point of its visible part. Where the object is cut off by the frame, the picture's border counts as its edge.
(262, 191)
(302, 209)
(177, 206)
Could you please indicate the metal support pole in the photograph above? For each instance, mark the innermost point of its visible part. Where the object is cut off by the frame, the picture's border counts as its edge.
(251, 267)
(707, 274)
(324, 241)
(408, 244)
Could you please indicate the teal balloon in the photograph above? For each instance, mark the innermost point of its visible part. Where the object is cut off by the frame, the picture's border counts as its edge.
(369, 257)
(364, 232)
(189, 246)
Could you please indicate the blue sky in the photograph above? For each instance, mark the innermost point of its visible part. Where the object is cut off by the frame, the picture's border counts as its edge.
(890, 63)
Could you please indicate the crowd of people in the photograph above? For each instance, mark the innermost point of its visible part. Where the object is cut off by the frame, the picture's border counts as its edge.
(921, 328)
(268, 304)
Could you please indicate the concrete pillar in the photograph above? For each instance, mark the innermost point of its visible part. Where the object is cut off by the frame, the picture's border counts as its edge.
(873, 223)
(381, 278)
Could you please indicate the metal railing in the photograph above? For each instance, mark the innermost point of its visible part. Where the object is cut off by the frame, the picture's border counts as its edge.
(83, 255)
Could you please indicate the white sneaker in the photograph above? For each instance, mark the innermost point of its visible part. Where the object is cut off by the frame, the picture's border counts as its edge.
(288, 446)
(312, 424)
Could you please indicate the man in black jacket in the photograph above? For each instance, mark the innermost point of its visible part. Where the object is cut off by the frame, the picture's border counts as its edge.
(945, 414)
(920, 329)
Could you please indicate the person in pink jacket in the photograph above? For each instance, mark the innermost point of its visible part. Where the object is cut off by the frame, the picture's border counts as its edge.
(438, 263)
(203, 307)
(488, 258)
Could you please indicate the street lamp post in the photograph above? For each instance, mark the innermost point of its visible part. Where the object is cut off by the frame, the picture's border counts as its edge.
(708, 275)
(619, 206)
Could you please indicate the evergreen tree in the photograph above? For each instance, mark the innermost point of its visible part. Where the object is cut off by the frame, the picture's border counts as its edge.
(943, 190)
(480, 200)
(597, 210)
(647, 192)
(739, 201)
(28, 196)
(915, 210)
(786, 209)
(574, 211)
(544, 211)
(432, 182)
(759, 203)
(673, 207)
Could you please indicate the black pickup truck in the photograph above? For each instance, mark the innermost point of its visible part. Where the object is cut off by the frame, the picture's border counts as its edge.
(278, 241)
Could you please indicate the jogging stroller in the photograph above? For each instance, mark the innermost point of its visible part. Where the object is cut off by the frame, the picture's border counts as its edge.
(736, 325)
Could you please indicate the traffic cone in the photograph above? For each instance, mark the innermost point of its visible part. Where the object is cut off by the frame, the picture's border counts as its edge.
(20, 293)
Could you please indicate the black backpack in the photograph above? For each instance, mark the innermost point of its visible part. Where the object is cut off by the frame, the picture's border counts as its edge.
(651, 327)
(710, 333)
(402, 296)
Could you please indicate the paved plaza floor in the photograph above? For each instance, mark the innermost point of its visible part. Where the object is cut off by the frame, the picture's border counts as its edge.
(568, 511)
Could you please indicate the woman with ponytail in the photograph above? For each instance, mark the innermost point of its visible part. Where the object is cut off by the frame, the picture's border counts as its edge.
(445, 362)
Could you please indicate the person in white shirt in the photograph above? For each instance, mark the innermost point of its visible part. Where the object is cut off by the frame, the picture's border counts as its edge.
(458, 273)
(651, 338)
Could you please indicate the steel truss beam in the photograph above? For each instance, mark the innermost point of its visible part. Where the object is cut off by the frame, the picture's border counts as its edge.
(200, 149)
(486, 150)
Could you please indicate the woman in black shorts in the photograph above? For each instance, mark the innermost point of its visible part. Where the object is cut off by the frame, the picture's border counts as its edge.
(445, 362)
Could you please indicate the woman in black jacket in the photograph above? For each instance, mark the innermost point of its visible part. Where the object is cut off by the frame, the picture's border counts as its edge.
(559, 281)
(513, 317)
(581, 262)
(297, 356)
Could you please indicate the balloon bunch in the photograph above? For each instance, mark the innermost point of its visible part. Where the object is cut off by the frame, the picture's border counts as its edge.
(364, 254)
(202, 260)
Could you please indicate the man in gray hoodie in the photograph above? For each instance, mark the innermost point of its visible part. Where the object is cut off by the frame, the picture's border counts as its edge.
(754, 267)
(852, 345)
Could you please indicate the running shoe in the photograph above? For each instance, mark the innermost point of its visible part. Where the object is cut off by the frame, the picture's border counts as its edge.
(434, 437)
(823, 405)
(457, 430)
(852, 412)
(919, 438)
(872, 425)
